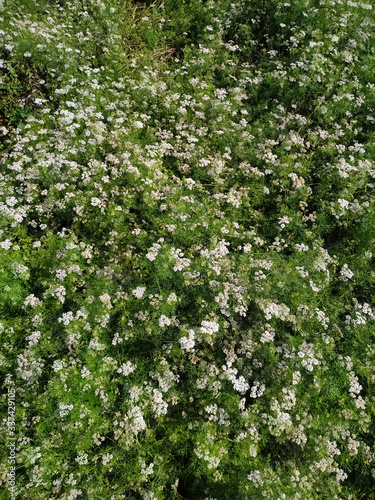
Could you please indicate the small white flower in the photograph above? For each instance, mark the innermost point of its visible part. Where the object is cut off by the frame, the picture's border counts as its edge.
(64, 409)
(302, 247)
(187, 343)
(283, 221)
(152, 254)
(107, 458)
(106, 300)
(139, 292)
(33, 338)
(40, 101)
(95, 202)
(209, 327)
(126, 369)
(314, 287)
(60, 274)
(164, 321)
(82, 458)
(6, 244)
(172, 298)
(85, 372)
(58, 365)
(66, 318)
(346, 273)
(11, 201)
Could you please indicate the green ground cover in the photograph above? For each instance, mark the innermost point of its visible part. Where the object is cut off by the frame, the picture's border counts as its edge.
(187, 229)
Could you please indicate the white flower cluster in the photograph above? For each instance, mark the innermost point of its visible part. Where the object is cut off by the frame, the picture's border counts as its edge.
(215, 257)
(211, 456)
(307, 356)
(302, 271)
(153, 251)
(64, 409)
(166, 380)
(139, 292)
(296, 378)
(355, 386)
(257, 390)
(298, 182)
(126, 368)
(11, 201)
(29, 368)
(256, 478)
(117, 339)
(172, 298)
(82, 458)
(284, 220)
(222, 418)
(58, 365)
(237, 292)
(301, 247)
(365, 308)
(188, 343)
(159, 406)
(95, 345)
(97, 202)
(32, 300)
(19, 269)
(353, 446)
(66, 318)
(98, 439)
(164, 321)
(146, 471)
(239, 384)
(271, 309)
(6, 244)
(106, 458)
(289, 399)
(103, 320)
(142, 315)
(263, 263)
(60, 274)
(268, 334)
(148, 495)
(106, 300)
(33, 338)
(59, 292)
(322, 318)
(323, 260)
(282, 422)
(33, 454)
(74, 493)
(85, 372)
(361, 311)
(209, 327)
(346, 273)
(182, 262)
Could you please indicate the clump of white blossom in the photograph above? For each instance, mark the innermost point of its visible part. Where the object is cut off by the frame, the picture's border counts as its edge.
(186, 248)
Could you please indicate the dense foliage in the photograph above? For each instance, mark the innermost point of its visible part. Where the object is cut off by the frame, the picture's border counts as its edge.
(187, 219)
